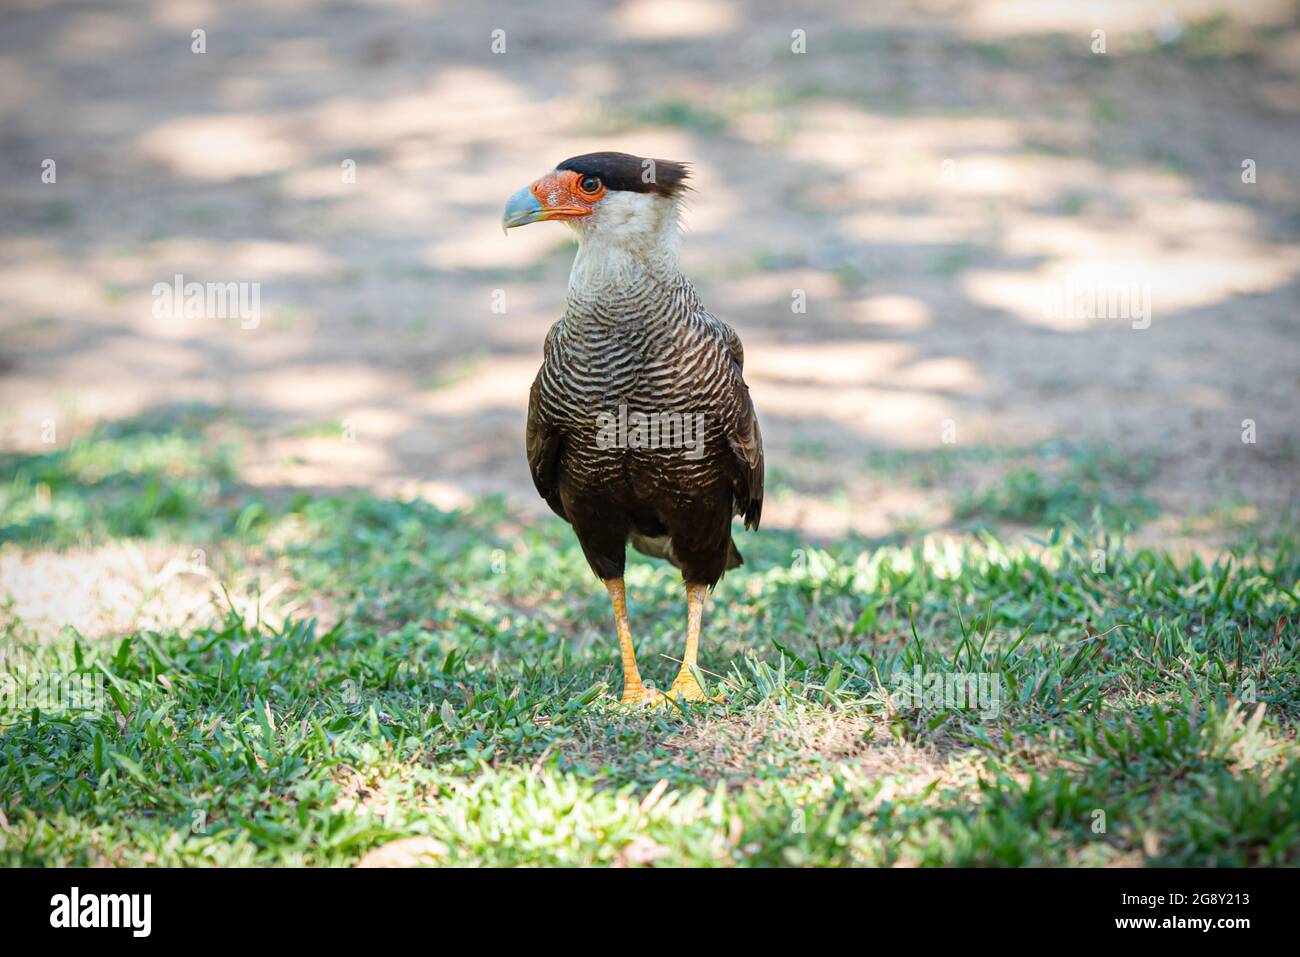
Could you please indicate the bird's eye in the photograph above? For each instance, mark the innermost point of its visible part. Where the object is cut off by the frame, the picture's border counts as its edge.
(589, 184)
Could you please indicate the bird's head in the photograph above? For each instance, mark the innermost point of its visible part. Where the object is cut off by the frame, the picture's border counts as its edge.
(611, 197)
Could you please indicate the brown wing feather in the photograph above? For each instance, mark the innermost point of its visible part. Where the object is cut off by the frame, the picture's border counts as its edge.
(543, 448)
(746, 440)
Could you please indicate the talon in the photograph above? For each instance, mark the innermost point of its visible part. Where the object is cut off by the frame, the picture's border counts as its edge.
(686, 688)
(642, 697)
(635, 693)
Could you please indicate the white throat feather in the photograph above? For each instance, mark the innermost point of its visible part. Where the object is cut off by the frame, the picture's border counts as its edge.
(630, 235)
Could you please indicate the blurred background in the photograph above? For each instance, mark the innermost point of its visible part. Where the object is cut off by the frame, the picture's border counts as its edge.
(930, 174)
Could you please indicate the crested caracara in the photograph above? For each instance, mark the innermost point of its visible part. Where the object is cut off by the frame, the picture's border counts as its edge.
(640, 425)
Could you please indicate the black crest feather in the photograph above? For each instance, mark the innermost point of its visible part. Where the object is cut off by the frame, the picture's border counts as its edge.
(634, 174)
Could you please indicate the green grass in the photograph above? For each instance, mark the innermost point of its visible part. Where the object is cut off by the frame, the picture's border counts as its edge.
(140, 478)
(1092, 486)
(461, 689)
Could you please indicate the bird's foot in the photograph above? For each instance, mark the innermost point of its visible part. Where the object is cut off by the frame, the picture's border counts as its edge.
(686, 688)
(641, 697)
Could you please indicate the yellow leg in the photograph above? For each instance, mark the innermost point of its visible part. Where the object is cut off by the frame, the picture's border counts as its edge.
(634, 692)
(685, 686)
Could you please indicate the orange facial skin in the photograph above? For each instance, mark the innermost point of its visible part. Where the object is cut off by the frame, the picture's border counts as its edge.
(562, 196)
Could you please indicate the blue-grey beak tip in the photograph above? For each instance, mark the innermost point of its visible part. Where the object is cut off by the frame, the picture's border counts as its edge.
(521, 209)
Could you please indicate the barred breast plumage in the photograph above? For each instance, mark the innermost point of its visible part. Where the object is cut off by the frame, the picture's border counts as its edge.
(606, 445)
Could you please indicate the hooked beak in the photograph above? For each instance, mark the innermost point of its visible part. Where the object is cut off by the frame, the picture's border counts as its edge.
(562, 200)
(521, 209)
